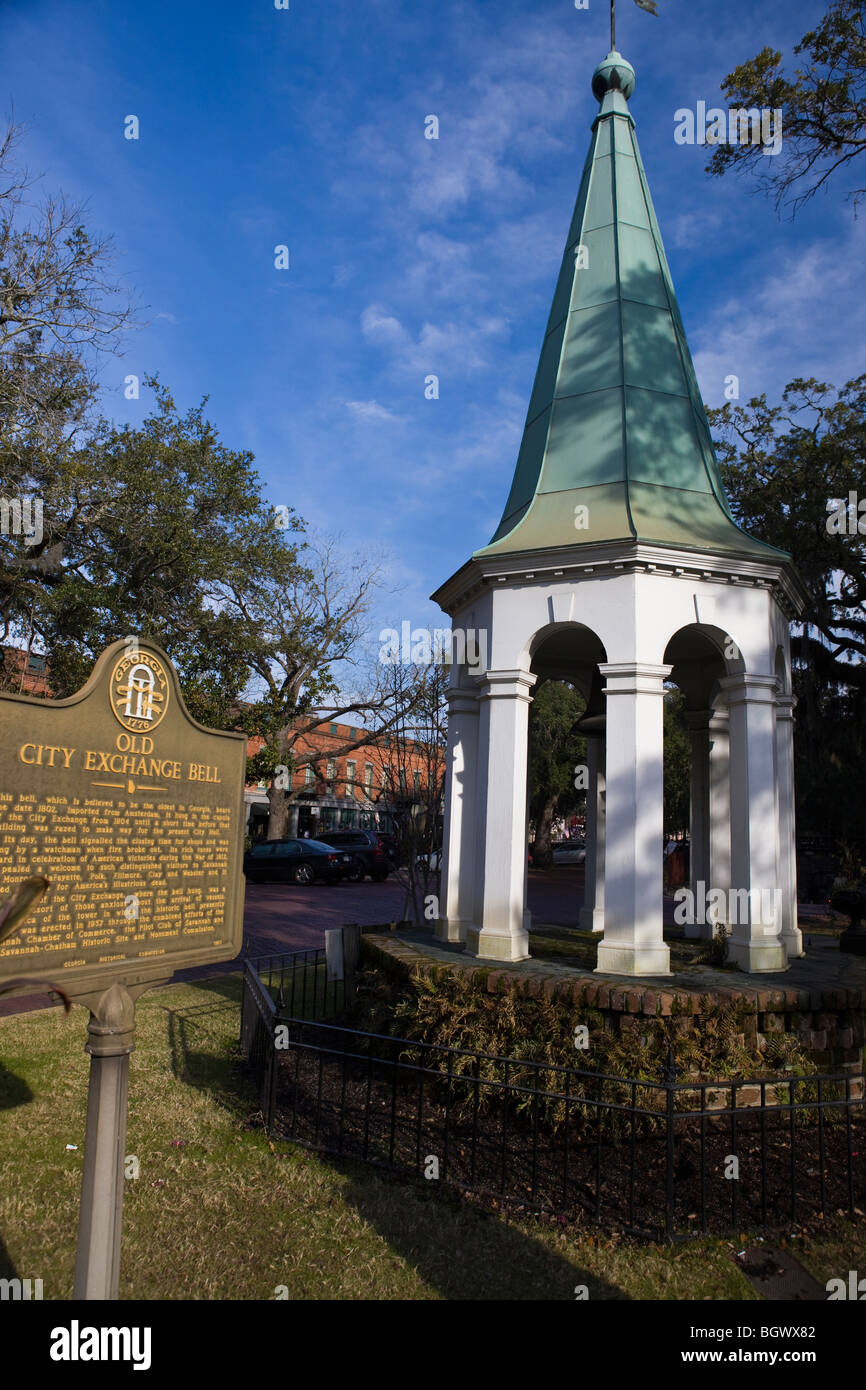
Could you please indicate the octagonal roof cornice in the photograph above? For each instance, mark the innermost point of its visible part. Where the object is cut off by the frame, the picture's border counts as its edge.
(573, 564)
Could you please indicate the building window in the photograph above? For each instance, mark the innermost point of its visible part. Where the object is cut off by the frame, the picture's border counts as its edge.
(335, 729)
(331, 773)
(368, 779)
(309, 775)
(402, 780)
(416, 782)
(350, 778)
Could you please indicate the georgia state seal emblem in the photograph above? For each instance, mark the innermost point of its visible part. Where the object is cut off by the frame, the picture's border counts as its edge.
(139, 691)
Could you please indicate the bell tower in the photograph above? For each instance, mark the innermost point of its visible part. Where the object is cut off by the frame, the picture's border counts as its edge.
(618, 566)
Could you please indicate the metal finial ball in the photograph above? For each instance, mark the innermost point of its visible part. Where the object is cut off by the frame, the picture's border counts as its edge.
(614, 74)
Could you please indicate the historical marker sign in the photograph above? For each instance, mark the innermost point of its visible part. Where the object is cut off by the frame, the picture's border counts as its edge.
(133, 811)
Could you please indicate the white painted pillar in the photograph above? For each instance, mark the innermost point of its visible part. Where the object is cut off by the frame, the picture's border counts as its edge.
(720, 804)
(792, 937)
(633, 942)
(698, 722)
(755, 944)
(499, 931)
(527, 915)
(592, 912)
(459, 865)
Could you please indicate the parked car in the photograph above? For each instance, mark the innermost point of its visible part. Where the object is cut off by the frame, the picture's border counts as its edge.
(387, 842)
(569, 852)
(295, 861)
(365, 850)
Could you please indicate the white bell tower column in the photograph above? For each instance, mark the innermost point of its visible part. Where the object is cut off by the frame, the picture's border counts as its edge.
(499, 872)
(755, 943)
(792, 937)
(458, 831)
(592, 913)
(698, 722)
(633, 942)
(720, 804)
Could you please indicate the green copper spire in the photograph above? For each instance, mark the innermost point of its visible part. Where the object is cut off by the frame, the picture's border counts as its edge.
(616, 425)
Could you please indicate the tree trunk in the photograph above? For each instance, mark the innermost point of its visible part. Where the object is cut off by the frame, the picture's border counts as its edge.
(278, 813)
(542, 856)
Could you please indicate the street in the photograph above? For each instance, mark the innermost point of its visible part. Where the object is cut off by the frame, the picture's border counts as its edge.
(286, 917)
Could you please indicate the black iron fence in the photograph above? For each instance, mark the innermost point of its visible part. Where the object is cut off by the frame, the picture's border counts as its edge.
(302, 985)
(312, 984)
(665, 1156)
(259, 1037)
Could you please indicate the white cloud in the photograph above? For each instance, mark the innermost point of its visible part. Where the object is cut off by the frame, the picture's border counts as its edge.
(806, 317)
(455, 346)
(370, 410)
(381, 327)
(685, 229)
(343, 275)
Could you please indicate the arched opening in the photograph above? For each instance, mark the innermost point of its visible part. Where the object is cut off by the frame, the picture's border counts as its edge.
(566, 788)
(696, 773)
(563, 769)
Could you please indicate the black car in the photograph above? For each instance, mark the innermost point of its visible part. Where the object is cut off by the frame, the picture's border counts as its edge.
(295, 861)
(366, 850)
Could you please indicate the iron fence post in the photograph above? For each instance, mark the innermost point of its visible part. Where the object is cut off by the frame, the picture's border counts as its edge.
(271, 1078)
(243, 1037)
(351, 958)
(669, 1077)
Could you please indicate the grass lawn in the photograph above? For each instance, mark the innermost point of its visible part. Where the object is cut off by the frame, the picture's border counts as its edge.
(307, 992)
(216, 1213)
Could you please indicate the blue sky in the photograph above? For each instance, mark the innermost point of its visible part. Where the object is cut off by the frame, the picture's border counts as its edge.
(408, 256)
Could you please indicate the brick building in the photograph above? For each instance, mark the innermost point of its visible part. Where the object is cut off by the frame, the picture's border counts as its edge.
(24, 673)
(346, 790)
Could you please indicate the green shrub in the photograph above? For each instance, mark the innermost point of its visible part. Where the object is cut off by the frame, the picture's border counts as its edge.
(448, 1009)
(716, 951)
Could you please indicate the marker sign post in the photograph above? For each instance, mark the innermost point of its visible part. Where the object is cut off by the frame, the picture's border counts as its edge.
(134, 813)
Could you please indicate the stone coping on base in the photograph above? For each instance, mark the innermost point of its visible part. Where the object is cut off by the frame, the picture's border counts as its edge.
(417, 952)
